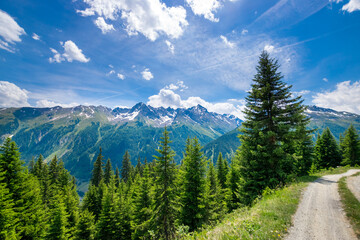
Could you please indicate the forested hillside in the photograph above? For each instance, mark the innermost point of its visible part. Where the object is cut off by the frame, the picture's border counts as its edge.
(76, 134)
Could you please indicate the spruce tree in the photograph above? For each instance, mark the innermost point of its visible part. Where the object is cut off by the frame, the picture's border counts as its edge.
(303, 151)
(221, 170)
(142, 207)
(24, 191)
(126, 167)
(233, 180)
(58, 222)
(215, 204)
(93, 199)
(108, 224)
(271, 115)
(31, 210)
(38, 167)
(164, 202)
(86, 227)
(8, 219)
(350, 147)
(138, 168)
(11, 166)
(108, 173)
(53, 171)
(117, 177)
(97, 172)
(192, 199)
(327, 152)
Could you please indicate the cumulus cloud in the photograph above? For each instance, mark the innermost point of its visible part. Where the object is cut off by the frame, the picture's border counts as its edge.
(71, 53)
(168, 98)
(120, 76)
(48, 103)
(35, 36)
(12, 96)
(151, 18)
(207, 8)
(269, 48)
(147, 75)
(104, 27)
(227, 42)
(346, 97)
(325, 79)
(170, 46)
(10, 32)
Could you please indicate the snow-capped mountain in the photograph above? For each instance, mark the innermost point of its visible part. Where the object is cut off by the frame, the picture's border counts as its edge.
(160, 117)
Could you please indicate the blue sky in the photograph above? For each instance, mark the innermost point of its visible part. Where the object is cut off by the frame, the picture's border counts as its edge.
(177, 53)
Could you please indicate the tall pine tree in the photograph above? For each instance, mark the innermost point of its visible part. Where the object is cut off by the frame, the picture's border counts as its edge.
(164, 202)
(126, 167)
(97, 173)
(108, 172)
(272, 115)
(192, 199)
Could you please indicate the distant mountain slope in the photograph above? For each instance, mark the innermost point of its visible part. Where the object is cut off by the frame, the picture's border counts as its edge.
(76, 134)
(321, 118)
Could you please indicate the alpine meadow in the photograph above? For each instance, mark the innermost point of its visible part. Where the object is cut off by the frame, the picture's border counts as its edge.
(189, 119)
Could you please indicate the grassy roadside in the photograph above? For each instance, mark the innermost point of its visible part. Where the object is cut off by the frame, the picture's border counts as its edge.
(351, 205)
(269, 218)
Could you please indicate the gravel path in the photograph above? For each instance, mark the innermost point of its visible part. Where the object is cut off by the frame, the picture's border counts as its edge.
(353, 184)
(319, 214)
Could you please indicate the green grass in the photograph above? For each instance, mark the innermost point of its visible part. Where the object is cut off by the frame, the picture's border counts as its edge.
(351, 205)
(269, 218)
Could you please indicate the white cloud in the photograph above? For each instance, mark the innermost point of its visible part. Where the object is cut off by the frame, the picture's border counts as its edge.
(57, 56)
(71, 53)
(147, 75)
(35, 36)
(10, 32)
(120, 76)
(151, 18)
(48, 103)
(168, 98)
(269, 48)
(325, 79)
(105, 28)
(351, 6)
(178, 86)
(244, 32)
(227, 42)
(110, 73)
(12, 96)
(111, 66)
(170, 46)
(346, 97)
(207, 8)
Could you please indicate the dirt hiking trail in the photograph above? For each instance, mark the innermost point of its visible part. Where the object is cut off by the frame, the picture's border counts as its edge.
(320, 214)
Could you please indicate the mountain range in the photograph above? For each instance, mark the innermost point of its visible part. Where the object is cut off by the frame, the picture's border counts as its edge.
(76, 134)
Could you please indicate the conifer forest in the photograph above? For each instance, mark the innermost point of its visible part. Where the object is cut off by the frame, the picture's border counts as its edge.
(161, 199)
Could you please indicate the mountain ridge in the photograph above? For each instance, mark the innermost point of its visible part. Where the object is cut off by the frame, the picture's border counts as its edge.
(76, 134)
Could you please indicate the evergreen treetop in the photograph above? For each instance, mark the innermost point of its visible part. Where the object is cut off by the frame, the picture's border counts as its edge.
(97, 173)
